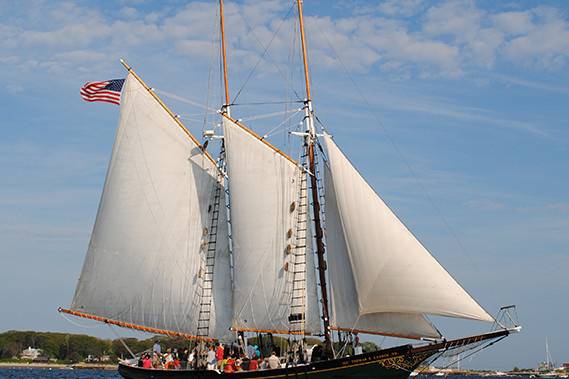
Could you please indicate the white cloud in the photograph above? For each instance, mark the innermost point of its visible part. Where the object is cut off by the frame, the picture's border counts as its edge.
(546, 45)
(400, 7)
(451, 39)
(459, 20)
(128, 12)
(513, 22)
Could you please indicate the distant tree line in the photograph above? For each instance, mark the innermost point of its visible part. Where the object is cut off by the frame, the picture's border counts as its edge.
(76, 347)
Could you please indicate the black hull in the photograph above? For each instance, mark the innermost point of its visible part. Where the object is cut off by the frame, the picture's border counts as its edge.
(393, 363)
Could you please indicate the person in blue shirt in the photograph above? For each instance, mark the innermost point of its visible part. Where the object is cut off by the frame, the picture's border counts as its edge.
(156, 348)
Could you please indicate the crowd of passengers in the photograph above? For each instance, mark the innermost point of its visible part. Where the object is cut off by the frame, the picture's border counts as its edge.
(227, 359)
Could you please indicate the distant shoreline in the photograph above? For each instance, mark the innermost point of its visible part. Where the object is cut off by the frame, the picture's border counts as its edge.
(47, 365)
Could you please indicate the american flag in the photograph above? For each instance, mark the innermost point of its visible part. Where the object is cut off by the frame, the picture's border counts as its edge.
(108, 91)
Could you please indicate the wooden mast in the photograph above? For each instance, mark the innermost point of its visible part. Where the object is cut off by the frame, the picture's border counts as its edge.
(310, 139)
(304, 56)
(225, 107)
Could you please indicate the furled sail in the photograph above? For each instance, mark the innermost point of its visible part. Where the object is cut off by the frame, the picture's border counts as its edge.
(265, 187)
(392, 271)
(144, 261)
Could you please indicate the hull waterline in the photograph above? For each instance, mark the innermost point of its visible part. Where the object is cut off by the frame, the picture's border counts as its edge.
(380, 364)
(393, 363)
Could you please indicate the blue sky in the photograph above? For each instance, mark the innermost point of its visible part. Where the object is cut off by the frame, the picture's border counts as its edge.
(456, 112)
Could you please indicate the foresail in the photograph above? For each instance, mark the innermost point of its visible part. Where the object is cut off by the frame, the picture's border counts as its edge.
(345, 314)
(392, 271)
(143, 262)
(265, 188)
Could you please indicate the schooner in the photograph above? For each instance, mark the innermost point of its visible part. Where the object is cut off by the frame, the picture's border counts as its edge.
(189, 245)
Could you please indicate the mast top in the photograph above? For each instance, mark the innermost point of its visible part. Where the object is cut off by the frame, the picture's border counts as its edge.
(304, 53)
(225, 107)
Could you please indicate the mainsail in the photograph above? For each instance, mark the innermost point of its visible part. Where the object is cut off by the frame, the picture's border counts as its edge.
(265, 190)
(377, 259)
(144, 262)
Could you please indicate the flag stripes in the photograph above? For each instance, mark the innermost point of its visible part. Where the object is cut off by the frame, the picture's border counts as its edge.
(108, 91)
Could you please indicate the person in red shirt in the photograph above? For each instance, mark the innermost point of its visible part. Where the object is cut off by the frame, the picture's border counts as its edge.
(229, 365)
(219, 354)
(146, 362)
(253, 364)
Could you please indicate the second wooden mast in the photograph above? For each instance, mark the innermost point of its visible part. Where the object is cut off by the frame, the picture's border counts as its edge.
(225, 107)
(310, 141)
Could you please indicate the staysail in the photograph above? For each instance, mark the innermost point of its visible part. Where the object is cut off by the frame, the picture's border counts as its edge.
(144, 259)
(265, 188)
(394, 276)
(345, 314)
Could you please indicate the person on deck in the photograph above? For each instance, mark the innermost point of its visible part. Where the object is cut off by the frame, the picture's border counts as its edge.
(184, 359)
(357, 346)
(250, 350)
(219, 354)
(157, 348)
(176, 360)
(168, 360)
(238, 365)
(253, 364)
(211, 358)
(274, 361)
(191, 358)
(245, 362)
(156, 362)
(263, 364)
(229, 365)
(146, 362)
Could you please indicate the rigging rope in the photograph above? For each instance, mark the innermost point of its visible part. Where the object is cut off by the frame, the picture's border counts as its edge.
(184, 100)
(265, 51)
(467, 356)
(273, 114)
(270, 102)
(121, 340)
(76, 323)
(398, 151)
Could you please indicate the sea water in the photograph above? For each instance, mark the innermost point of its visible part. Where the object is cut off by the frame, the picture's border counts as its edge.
(45, 373)
(56, 373)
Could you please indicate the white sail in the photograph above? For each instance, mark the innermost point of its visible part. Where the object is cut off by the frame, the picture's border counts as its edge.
(144, 258)
(313, 319)
(344, 309)
(265, 187)
(392, 270)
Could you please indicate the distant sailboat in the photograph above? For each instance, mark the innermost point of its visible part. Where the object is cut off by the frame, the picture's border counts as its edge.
(546, 368)
(164, 258)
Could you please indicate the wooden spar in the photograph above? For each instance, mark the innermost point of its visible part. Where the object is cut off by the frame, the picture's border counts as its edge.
(272, 331)
(304, 55)
(310, 139)
(225, 108)
(261, 139)
(377, 333)
(133, 326)
(165, 107)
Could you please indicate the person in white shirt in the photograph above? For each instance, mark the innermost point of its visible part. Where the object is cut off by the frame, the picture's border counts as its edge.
(274, 361)
(211, 358)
